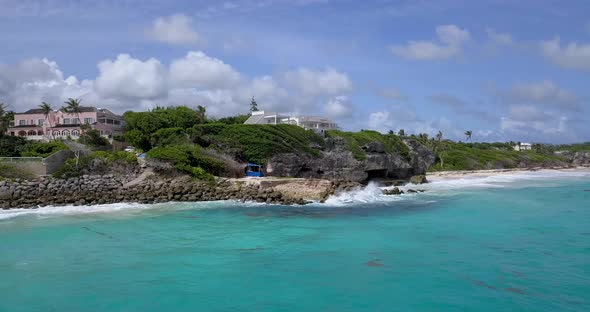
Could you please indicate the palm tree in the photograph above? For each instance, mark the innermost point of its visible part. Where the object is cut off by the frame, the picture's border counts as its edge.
(47, 109)
(202, 111)
(439, 136)
(468, 134)
(73, 107)
(3, 118)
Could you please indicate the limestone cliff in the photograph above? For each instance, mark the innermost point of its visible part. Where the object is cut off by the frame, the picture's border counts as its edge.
(337, 163)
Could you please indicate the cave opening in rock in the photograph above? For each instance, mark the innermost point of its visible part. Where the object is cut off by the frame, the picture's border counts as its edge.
(376, 174)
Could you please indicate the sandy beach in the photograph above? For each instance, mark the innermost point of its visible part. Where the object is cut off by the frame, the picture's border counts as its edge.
(494, 172)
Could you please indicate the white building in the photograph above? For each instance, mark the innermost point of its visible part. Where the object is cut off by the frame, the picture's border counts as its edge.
(523, 147)
(317, 124)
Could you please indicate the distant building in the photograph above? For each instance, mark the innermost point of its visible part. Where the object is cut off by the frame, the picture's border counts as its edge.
(34, 125)
(317, 124)
(523, 147)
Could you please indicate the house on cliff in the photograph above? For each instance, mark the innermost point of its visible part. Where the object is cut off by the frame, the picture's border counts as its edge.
(315, 123)
(523, 146)
(34, 125)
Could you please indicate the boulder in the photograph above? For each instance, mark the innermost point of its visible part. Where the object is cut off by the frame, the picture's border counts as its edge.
(418, 179)
(393, 191)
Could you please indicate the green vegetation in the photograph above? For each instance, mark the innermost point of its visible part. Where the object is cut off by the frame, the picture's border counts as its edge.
(142, 125)
(8, 171)
(93, 138)
(581, 147)
(97, 163)
(41, 149)
(233, 120)
(191, 159)
(476, 156)
(169, 136)
(12, 146)
(5, 118)
(256, 143)
(356, 140)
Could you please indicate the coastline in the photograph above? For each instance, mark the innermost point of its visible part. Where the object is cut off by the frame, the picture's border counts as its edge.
(148, 189)
(449, 175)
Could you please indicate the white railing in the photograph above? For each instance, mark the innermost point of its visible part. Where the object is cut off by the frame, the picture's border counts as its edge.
(20, 159)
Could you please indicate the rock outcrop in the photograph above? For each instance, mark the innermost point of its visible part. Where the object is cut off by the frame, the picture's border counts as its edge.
(337, 163)
(108, 189)
(576, 158)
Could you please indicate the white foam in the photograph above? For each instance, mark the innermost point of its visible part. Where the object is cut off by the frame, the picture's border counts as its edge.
(121, 209)
(452, 185)
(369, 194)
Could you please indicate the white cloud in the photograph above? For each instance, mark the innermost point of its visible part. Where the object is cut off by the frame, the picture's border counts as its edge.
(127, 77)
(30, 82)
(571, 56)
(545, 93)
(525, 120)
(451, 38)
(339, 107)
(499, 38)
(197, 70)
(315, 83)
(126, 83)
(174, 29)
(397, 118)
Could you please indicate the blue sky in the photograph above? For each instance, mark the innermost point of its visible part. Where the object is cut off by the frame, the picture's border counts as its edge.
(507, 70)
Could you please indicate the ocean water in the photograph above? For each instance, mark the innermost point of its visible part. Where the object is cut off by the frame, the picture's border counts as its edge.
(517, 242)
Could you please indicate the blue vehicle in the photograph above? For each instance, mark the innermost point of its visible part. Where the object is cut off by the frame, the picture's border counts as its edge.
(254, 170)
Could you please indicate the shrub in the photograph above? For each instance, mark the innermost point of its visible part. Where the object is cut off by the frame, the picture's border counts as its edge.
(9, 171)
(142, 125)
(100, 162)
(41, 149)
(476, 156)
(356, 140)
(256, 143)
(169, 136)
(11, 146)
(190, 159)
(93, 138)
(234, 120)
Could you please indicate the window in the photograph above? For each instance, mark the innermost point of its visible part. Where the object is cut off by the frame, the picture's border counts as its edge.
(32, 122)
(117, 122)
(40, 122)
(66, 121)
(75, 132)
(88, 120)
(11, 123)
(22, 122)
(76, 121)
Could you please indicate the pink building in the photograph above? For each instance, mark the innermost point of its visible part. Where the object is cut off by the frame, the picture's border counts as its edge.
(34, 125)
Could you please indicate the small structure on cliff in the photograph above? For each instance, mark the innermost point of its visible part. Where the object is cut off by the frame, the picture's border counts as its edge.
(254, 170)
(315, 123)
(523, 146)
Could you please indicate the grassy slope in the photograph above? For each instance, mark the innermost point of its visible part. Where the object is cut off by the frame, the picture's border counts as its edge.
(461, 156)
(256, 143)
(356, 140)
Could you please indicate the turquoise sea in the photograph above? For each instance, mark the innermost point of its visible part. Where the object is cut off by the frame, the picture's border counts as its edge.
(518, 242)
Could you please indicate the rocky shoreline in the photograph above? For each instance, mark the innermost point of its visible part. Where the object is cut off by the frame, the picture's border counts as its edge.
(110, 189)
